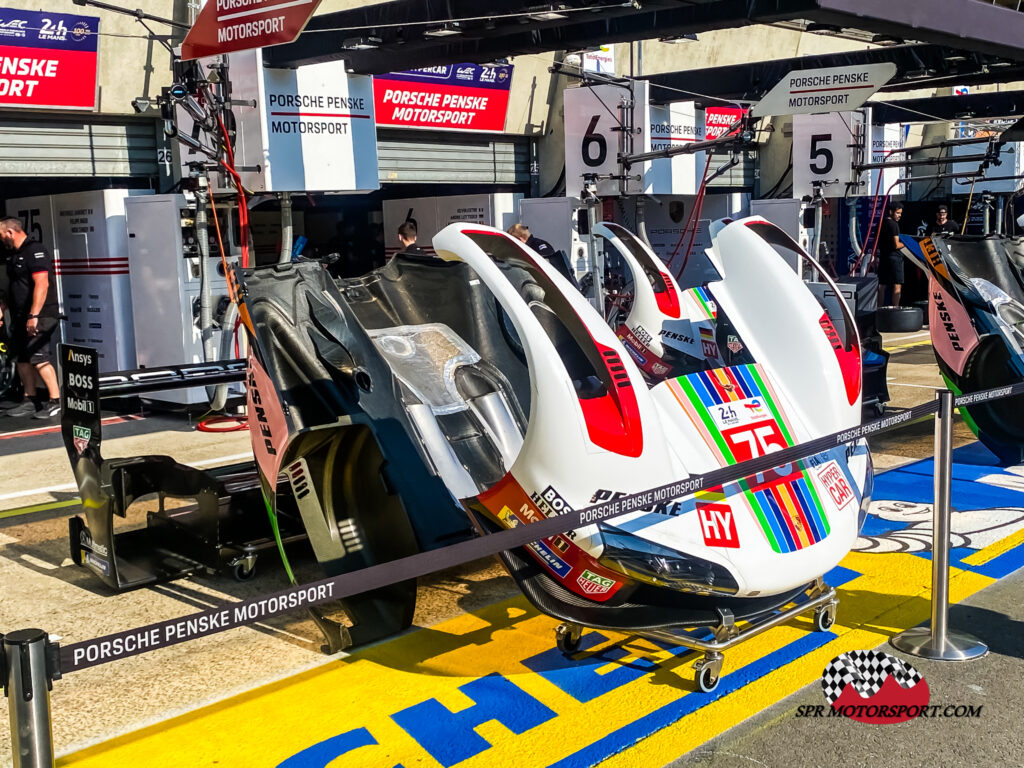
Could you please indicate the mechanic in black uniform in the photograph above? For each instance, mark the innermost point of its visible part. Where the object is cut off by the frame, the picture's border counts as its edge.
(407, 239)
(555, 258)
(890, 261)
(6, 381)
(943, 225)
(34, 315)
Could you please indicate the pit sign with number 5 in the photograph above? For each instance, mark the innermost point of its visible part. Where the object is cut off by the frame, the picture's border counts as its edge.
(825, 148)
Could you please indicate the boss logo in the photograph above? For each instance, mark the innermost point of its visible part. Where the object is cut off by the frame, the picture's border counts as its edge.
(80, 380)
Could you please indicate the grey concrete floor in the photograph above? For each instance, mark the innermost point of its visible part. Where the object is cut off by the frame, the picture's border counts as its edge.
(777, 738)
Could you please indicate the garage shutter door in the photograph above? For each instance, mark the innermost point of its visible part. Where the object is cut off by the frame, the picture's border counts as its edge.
(740, 176)
(408, 157)
(50, 146)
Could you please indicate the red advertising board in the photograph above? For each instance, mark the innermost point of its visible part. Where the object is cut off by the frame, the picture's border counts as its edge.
(226, 26)
(48, 59)
(457, 97)
(718, 119)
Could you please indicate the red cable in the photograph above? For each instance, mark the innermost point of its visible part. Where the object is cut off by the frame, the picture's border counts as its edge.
(238, 423)
(871, 218)
(243, 210)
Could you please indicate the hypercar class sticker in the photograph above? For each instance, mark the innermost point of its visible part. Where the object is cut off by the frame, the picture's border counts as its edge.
(509, 504)
(737, 415)
(833, 479)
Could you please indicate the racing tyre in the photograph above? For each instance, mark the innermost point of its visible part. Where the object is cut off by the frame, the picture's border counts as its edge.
(899, 319)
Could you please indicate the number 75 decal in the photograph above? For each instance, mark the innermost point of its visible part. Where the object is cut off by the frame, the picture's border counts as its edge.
(754, 440)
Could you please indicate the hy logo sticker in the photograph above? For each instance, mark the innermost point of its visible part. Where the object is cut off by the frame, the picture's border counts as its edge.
(81, 437)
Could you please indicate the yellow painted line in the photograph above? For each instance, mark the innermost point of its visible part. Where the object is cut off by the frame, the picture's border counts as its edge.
(992, 551)
(380, 706)
(39, 508)
(926, 343)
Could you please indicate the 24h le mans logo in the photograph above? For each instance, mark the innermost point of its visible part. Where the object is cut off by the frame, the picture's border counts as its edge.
(81, 436)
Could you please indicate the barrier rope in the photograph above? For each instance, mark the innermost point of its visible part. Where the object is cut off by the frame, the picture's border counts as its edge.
(132, 642)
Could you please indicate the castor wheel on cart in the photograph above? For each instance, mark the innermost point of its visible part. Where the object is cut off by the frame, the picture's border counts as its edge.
(825, 617)
(244, 568)
(567, 638)
(709, 671)
(242, 572)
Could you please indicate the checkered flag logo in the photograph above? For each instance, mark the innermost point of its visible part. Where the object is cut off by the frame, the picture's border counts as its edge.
(866, 671)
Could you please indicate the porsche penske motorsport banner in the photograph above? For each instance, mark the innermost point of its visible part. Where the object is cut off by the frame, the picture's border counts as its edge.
(458, 97)
(48, 59)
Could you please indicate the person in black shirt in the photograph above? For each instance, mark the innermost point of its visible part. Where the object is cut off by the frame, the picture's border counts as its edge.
(943, 225)
(34, 315)
(407, 239)
(555, 258)
(890, 260)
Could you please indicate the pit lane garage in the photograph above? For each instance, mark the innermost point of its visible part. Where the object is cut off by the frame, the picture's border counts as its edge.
(436, 399)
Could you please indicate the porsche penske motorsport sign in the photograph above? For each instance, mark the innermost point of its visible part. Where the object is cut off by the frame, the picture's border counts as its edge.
(308, 129)
(833, 89)
(227, 26)
(48, 59)
(456, 97)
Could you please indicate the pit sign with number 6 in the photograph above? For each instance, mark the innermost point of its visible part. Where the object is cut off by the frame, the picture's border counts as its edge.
(594, 134)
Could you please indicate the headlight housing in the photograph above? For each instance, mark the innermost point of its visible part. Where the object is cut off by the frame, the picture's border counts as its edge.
(664, 567)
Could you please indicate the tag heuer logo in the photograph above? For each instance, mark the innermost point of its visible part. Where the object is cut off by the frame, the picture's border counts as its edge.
(593, 584)
(81, 437)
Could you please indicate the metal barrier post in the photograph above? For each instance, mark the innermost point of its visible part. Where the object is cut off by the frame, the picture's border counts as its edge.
(938, 643)
(29, 664)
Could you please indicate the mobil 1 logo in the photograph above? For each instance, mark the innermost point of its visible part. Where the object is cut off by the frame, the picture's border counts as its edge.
(79, 399)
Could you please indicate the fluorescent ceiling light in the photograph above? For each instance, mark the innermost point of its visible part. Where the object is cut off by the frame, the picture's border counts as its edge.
(675, 39)
(445, 30)
(361, 43)
(547, 16)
